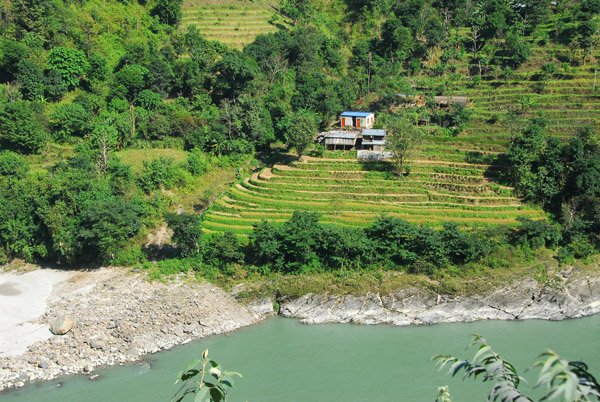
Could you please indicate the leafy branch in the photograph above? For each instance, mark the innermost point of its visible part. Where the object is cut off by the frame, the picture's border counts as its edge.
(492, 367)
(564, 380)
(194, 382)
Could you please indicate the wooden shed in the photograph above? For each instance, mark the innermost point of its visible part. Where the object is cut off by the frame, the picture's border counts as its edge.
(342, 140)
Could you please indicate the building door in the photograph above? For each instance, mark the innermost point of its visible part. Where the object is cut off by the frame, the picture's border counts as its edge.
(357, 122)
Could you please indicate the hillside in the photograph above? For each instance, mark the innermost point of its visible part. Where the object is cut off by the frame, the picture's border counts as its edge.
(119, 120)
(232, 22)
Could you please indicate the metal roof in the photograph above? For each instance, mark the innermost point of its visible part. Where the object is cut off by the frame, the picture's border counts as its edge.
(376, 142)
(356, 114)
(341, 134)
(374, 132)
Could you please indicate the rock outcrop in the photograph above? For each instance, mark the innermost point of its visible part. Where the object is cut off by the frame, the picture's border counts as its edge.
(568, 295)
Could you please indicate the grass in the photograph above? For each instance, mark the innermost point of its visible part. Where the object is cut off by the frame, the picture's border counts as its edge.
(136, 157)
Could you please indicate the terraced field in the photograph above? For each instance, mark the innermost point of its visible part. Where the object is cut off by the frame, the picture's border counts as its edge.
(232, 22)
(449, 179)
(352, 193)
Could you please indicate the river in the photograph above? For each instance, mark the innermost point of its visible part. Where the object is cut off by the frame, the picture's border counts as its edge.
(283, 360)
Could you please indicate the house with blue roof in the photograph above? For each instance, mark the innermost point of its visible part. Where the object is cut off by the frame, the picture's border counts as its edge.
(357, 119)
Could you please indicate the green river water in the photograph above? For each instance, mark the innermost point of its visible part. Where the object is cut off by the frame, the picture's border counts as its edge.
(283, 360)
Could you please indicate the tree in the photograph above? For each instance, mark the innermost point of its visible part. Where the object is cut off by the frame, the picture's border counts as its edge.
(587, 38)
(133, 78)
(568, 380)
(233, 73)
(31, 77)
(106, 225)
(187, 232)
(517, 50)
(168, 11)
(69, 63)
(301, 132)
(402, 138)
(21, 128)
(70, 120)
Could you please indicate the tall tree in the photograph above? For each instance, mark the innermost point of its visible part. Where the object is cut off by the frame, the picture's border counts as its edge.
(401, 140)
(301, 132)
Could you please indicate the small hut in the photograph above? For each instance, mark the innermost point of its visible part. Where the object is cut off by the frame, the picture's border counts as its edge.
(373, 140)
(340, 140)
(357, 119)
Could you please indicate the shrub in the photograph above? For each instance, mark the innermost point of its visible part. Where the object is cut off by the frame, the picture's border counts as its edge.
(536, 234)
(156, 173)
(187, 232)
(223, 249)
(12, 164)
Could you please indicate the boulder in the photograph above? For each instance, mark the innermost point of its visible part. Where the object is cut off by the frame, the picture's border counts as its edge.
(61, 325)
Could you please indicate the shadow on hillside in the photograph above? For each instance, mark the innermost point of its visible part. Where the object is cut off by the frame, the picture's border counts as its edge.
(498, 164)
(155, 252)
(270, 158)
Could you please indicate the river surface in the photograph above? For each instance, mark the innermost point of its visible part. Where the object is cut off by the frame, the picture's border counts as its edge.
(283, 360)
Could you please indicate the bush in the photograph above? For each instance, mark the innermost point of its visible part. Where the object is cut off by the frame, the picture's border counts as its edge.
(222, 250)
(156, 173)
(129, 256)
(197, 163)
(12, 164)
(537, 233)
(187, 232)
(70, 120)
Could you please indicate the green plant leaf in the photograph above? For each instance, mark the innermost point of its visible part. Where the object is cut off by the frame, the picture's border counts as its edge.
(202, 395)
(216, 394)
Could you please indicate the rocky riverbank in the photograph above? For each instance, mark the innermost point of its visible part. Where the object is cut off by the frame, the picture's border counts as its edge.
(569, 294)
(117, 317)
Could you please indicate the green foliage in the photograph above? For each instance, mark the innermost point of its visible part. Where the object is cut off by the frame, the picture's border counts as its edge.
(133, 78)
(193, 379)
(222, 249)
(106, 225)
(156, 173)
(187, 232)
(12, 164)
(536, 234)
(69, 63)
(168, 11)
(70, 120)
(517, 50)
(21, 127)
(301, 131)
(31, 77)
(401, 141)
(302, 242)
(148, 100)
(570, 381)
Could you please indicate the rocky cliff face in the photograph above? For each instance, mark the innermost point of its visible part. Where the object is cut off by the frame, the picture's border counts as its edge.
(568, 295)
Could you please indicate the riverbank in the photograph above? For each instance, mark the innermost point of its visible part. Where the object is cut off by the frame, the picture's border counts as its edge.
(570, 293)
(117, 317)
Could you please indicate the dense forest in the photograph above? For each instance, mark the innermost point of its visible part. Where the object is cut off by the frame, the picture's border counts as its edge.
(83, 82)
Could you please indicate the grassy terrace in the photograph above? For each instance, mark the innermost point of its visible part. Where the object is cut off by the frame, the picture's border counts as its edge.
(352, 193)
(232, 22)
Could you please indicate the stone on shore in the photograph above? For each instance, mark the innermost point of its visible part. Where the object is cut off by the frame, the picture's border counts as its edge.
(61, 325)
